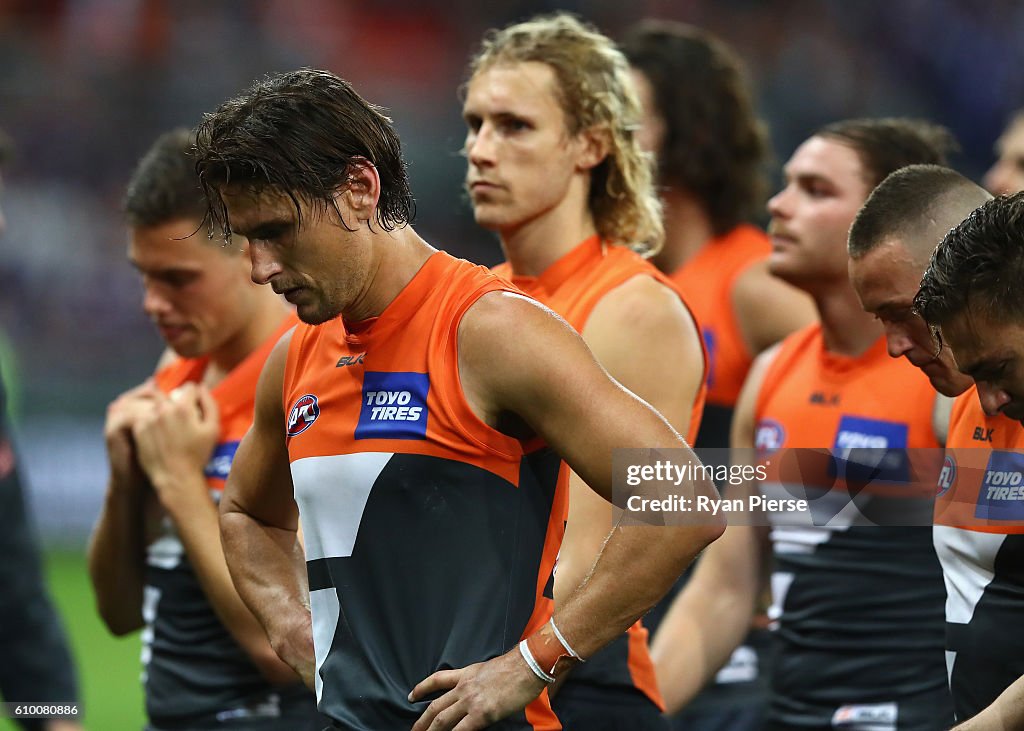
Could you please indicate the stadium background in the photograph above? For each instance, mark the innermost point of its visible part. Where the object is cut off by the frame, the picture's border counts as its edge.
(86, 85)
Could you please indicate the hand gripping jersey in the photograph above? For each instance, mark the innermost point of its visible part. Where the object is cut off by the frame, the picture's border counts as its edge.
(572, 287)
(979, 536)
(195, 673)
(430, 537)
(858, 606)
(707, 281)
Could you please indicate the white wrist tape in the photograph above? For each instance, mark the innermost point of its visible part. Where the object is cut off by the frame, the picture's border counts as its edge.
(565, 644)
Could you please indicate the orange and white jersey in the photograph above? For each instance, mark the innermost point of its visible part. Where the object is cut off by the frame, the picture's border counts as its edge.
(430, 536)
(979, 537)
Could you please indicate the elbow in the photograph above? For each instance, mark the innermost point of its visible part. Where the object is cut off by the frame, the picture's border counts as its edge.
(120, 615)
(691, 540)
(272, 667)
(119, 622)
(714, 529)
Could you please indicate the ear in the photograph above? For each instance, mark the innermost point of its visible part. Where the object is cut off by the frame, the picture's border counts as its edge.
(594, 144)
(357, 198)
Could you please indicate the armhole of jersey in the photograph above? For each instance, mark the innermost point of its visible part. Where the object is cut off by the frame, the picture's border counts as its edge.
(771, 374)
(290, 363)
(700, 336)
(956, 413)
(454, 400)
(730, 308)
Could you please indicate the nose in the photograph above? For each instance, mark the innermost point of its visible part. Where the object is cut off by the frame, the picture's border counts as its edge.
(995, 179)
(154, 303)
(480, 145)
(777, 204)
(264, 267)
(897, 340)
(992, 398)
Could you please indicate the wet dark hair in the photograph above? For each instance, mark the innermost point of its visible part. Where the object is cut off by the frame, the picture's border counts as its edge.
(301, 133)
(979, 265)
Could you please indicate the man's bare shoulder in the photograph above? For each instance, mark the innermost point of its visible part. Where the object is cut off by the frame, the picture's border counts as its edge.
(503, 313)
(642, 301)
(270, 387)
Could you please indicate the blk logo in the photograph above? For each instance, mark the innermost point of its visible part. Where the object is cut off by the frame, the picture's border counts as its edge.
(824, 399)
(982, 435)
(347, 360)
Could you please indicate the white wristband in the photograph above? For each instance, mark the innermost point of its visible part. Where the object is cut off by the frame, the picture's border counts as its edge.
(565, 644)
(524, 650)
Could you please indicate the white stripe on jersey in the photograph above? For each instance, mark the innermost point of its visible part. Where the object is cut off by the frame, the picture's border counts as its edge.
(968, 566)
(332, 492)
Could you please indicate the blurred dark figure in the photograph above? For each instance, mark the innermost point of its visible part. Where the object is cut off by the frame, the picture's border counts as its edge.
(35, 663)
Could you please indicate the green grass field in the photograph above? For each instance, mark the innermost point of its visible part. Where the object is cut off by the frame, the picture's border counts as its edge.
(108, 667)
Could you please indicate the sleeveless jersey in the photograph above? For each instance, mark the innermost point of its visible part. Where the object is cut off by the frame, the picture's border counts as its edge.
(858, 606)
(707, 281)
(430, 537)
(572, 287)
(195, 673)
(979, 536)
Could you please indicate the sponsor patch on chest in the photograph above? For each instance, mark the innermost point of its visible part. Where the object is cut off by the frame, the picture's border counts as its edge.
(1001, 496)
(867, 450)
(856, 432)
(221, 459)
(394, 406)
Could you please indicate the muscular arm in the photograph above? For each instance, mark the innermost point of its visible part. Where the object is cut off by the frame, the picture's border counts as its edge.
(712, 615)
(259, 527)
(572, 403)
(558, 388)
(644, 337)
(768, 309)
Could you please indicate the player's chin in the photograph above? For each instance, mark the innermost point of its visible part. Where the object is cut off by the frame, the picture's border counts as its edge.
(190, 348)
(782, 266)
(945, 386)
(1015, 412)
(486, 217)
(314, 314)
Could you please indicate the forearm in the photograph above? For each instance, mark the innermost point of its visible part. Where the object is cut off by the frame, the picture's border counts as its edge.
(697, 637)
(268, 569)
(710, 617)
(196, 519)
(116, 560)
(1006, 713)
(605, 605)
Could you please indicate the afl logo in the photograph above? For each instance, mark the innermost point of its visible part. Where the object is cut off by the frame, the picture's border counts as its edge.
(947, 477)
(304, 412)
(770, 436)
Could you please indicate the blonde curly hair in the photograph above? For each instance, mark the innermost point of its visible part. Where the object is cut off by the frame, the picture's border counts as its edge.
(595, 91)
